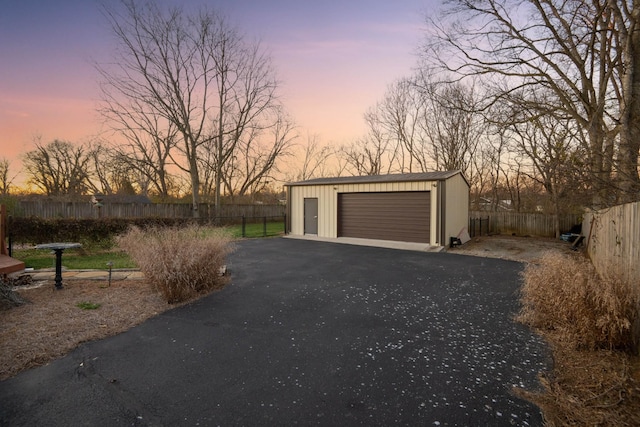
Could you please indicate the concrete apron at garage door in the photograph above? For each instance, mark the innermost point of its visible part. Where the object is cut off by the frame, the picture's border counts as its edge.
(409, 246)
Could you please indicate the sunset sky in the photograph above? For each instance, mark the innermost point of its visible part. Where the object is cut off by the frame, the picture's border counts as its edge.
(335, 59)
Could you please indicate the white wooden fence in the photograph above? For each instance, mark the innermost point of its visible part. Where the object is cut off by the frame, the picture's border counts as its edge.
(612, 238)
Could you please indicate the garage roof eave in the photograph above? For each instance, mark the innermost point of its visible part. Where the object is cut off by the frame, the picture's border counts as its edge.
(401, 177)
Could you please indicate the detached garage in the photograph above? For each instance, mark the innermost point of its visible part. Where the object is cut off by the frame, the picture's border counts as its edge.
(427, 208)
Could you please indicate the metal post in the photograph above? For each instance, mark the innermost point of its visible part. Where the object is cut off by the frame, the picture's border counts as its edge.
(110, 264)
(243, 226)
(58, 268)
(264, 226)
(285, 224)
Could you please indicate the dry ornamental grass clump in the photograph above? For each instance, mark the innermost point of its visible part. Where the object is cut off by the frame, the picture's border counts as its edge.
(564, 293)
(180, 262)
(588, 321)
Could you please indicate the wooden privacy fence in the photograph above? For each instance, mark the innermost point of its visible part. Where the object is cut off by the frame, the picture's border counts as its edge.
(526, 224)
(613, 241)
(47, 209)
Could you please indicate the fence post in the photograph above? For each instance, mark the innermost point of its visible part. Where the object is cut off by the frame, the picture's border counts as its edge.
(9, 235)
(243, 226)
(264, 226)
(285, 224)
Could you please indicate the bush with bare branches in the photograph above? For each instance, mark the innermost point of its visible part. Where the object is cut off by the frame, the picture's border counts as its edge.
(180, 262)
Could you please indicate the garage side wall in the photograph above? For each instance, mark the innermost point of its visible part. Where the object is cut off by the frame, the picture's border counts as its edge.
(327, 196)
(456, 206)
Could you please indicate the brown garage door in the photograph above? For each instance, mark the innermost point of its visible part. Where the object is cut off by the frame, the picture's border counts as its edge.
(399, 216)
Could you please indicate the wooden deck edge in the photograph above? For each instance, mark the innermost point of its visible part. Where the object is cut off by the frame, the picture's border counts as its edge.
(10, 265)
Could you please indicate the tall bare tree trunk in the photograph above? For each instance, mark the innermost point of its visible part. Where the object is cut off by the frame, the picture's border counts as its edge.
(630, 107)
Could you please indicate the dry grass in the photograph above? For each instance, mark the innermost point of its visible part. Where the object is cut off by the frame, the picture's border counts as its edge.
(52, 324)
(589, 323)
(589, 388)
(564, 293)
(180, 262)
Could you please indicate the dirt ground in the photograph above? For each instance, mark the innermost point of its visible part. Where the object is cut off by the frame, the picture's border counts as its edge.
(523, 249)
(585, 388)
(51, 324)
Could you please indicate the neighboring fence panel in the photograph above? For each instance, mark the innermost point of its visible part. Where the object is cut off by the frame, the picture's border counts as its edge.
(526, 224)
(613, 240)
(478, 226)
(47, 209)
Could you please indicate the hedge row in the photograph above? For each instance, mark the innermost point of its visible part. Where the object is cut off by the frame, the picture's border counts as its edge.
(38, 230)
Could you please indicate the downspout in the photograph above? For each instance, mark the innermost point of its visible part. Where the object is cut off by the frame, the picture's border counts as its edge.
(287, 226)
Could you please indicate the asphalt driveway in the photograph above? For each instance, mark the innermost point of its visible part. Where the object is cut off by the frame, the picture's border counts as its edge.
(308, 333)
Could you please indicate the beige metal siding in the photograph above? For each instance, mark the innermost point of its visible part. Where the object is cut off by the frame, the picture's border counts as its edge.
(456, 209)
(326, 218)
(399, 216)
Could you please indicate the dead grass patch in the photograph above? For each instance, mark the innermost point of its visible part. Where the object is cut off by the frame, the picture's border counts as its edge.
(52, 324)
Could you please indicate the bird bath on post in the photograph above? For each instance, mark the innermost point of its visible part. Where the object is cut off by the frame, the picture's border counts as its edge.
(58, 248)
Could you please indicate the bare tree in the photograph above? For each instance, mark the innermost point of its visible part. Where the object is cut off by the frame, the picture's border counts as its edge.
(578, 50)
(421, 124)
(246, 105)
(59, 168)
(6, 180)
(160, 69)
(251, 167)
(149, 139)
(115, 173)
(190, 82)
(380, 151)
(312, 159)
(395, 123)
(547, 142)
(453, 125)
(362, 157)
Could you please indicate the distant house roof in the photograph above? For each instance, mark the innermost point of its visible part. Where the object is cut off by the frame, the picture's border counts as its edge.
(486, 204)
(400, 177)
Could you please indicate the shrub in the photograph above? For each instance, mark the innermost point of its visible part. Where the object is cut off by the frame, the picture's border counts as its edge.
(180, 262)
(90, 232)
(564, 293)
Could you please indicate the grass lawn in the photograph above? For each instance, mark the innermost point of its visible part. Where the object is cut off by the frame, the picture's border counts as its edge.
(74, 259)
(257, 229)
(87, 258)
